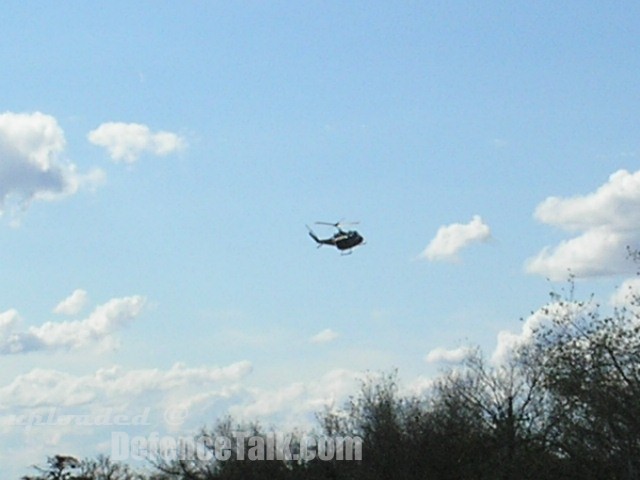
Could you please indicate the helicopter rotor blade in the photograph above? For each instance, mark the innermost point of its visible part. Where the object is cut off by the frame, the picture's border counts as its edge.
(337, 224)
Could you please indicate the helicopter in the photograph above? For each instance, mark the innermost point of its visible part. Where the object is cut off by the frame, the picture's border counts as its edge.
(343, 241)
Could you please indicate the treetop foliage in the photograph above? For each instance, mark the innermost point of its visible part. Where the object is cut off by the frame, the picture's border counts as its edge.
(564, 405)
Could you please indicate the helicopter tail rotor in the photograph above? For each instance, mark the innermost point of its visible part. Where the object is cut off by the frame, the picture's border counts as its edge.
(314, 236)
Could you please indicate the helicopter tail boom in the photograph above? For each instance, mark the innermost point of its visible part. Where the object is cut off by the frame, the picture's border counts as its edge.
(315, 237)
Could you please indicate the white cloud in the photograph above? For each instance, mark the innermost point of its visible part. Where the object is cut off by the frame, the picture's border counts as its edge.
(73, 304)
(126, 142)
(32, 166)
(331, 389)
(8, 321)
(119, 382)
(442, 355)
(45, 387)
(626, 295)
(115, 387)
(419, 386)
(97, 327)
(606, 222)
(266, 403)
(450, 239)
(500, 143)
(295, 404)
(563, 312)
(325, 336)
(178, 399)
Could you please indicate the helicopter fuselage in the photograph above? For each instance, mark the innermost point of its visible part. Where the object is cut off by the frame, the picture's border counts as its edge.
(341, 240)
(347, 240)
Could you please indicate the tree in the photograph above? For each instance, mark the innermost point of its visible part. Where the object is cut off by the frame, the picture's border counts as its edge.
(496, 418)
(59, 467)
(236, 463)
(378, 416)
(64, 467)
(564, 405)
(103, 468)
(591, 369)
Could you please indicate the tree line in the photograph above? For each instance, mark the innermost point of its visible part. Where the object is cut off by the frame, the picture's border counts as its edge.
(564, 405)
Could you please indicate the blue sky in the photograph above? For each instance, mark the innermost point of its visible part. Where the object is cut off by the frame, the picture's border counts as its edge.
(159, 162)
